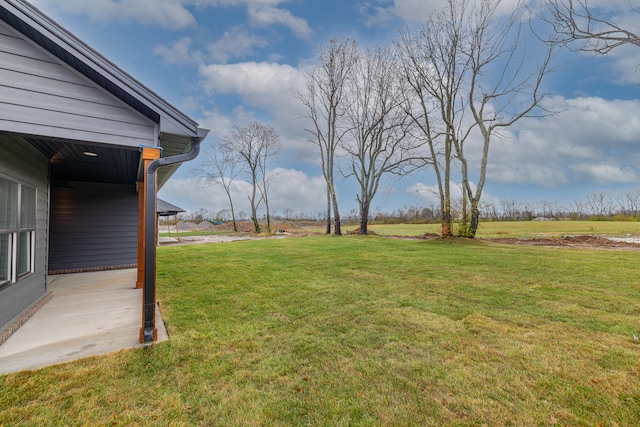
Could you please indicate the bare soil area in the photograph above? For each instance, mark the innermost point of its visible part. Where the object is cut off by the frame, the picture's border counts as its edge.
(578, 241)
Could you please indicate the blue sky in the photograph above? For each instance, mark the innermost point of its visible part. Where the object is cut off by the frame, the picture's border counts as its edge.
(225, 62)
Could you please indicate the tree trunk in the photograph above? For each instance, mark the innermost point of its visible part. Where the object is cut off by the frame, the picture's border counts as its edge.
(268, 221)
(475, 220)
(336, 215)
(464, 226)
(363, 227)
(254, 218)
(233, 216)
(328, 231)
(447, 229)
(364, 219)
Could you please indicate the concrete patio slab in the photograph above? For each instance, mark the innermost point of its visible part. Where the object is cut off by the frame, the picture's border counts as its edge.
(89, 314)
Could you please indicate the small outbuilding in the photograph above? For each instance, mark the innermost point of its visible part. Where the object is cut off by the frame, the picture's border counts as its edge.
(167, 209)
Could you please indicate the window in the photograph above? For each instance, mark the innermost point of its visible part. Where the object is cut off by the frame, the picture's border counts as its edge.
(17, 230)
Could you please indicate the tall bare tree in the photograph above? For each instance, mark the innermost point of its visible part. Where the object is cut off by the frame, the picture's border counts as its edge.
(434, 66)
(479, 77)
(254, 144)
(498, 45)
(576, 21)
(270, 150)
(324, 98)
(378, 144)
(220, 166)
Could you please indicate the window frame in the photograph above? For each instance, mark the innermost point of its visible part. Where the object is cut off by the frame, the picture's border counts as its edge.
(20, 231)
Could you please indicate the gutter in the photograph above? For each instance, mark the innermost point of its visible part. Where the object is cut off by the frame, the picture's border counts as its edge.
(149, 287)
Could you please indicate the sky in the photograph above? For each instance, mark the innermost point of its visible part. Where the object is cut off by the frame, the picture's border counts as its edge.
(228, 62)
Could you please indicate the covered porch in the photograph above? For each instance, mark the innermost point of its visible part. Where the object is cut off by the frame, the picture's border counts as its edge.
(91, 313)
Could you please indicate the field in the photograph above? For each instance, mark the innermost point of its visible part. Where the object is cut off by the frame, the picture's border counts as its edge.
(366, 330)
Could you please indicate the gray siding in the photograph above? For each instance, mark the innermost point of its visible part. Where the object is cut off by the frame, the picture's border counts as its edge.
(93, 226)
(21, 162)
(42, 96)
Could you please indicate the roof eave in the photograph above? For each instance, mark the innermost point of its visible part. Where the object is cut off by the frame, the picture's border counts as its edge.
(77, 50)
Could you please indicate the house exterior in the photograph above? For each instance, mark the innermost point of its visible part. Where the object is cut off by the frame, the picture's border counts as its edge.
(77, 135)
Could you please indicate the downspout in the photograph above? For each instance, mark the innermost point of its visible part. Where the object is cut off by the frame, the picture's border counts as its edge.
(149, 288)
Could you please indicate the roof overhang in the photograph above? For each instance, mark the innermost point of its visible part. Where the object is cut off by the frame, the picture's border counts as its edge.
(175, 129)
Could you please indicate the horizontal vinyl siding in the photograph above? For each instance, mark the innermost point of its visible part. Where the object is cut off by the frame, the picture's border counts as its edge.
(93, 226)
(20, 162)
(42, 96)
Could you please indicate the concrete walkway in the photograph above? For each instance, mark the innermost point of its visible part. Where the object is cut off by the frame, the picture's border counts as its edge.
(89, 314)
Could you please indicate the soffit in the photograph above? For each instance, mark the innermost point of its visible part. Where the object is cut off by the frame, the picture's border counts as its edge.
(118, 165)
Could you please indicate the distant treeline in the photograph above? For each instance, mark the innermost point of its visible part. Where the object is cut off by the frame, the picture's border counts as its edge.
(597, 206)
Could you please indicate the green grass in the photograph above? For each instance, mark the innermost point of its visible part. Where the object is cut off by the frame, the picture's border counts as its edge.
(362, 330)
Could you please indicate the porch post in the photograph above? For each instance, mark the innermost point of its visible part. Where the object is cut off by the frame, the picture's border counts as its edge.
(148, 154)
(148, 331)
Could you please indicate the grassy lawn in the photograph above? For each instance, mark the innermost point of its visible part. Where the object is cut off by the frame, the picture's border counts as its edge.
(328, 331)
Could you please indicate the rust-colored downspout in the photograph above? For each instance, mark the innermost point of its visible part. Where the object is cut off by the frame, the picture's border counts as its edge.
(149, 332)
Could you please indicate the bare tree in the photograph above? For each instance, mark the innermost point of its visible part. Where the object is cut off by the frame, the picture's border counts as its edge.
(629, 203)
(498, 103)
(510, 210)
(578, 209)
(434, 70)
(378, 125)
(270, 150)
(254, 144)
(576, 21)
(600, 204)
(324, 98)
(220, 166)
(477, 78)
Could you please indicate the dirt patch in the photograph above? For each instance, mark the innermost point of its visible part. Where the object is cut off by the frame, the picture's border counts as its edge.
(577, 241)
(247, 226)
(356, 231)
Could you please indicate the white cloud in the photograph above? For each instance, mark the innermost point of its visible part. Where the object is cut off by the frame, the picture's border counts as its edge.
(413, 11)
(595, 121)
(296, 190)
(592, 141)
(626, 64)
(266, 92)
(171, 14)
(606, 174)
(266, 86)
(222, 124)
(290, 189)
(266, 16)
(430, 196)
(174, 15)
(219, 3)
(427, 194)
(179, 52)
(236, 42)
(260, 84)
